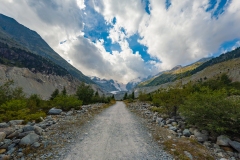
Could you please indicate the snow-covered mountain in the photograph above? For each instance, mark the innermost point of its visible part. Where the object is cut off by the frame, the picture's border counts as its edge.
(112, 86)
(133, 83)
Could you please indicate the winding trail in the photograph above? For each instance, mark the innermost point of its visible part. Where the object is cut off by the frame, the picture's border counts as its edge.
(116, 134)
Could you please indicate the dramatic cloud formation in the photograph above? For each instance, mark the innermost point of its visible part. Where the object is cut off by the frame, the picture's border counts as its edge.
(127, 39)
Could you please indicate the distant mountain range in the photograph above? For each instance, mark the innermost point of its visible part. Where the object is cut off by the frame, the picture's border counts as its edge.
(20, 37)
(115, 87)
(109, 85)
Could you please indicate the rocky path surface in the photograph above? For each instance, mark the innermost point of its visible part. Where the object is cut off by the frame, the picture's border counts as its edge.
(116, 134)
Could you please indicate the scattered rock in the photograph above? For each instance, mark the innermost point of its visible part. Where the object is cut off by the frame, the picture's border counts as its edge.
(223, 141)
(29, 139)
(191, 130)
(235, 145)
(2, 151)
(38, 130)
(199, 136)
(4, 157)
(159, 120)
(207, 144)
(2, 136)
(186, 133)
(69, 113)
(173, 128)
(36, 144)
(21, 135)
(4, 125)
(7, 131)
(188, 155)
(226, 148)
(54, 111)
(7, 142)
(220, 154)
(15, 122)
(169, 121)
(13, 135)
(28, 128)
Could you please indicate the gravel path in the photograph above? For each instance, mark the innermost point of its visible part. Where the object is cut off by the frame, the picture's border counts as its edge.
(116, 134)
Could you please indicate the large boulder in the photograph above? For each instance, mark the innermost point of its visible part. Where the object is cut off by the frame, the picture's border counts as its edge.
(54, 111)
(159, 120)
(13, 135)
(38, 130)
(2, 136)
(186, 133)
(200, 136)
(28, 128)
(23, 134)
(29, 139)
(7, 131)
(4, 125)
(7, 142)
(235, 145)
(15, 122)
(223, 140)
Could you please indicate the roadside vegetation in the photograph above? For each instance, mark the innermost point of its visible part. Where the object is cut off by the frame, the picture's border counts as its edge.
(14, 104)
(210, 104)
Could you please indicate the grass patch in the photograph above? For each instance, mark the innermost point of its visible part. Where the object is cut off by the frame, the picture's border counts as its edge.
(178, 146)
(158, 109)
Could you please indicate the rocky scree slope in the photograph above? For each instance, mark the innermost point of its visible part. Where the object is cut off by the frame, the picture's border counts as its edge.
(39, 83)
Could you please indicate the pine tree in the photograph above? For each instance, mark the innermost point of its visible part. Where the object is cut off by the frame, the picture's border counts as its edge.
(54, 94)
(64, 91)
(133, 96)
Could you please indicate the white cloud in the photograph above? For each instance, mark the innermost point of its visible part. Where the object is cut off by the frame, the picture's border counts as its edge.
(185, 32)
(180, 35)
(81, 4)
(92, 58)
(128, 13)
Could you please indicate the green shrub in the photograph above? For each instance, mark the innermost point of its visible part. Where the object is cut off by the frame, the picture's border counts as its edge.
(213, 111)
(7, 92)
(66, 102)
(14, 105)
(85, 93)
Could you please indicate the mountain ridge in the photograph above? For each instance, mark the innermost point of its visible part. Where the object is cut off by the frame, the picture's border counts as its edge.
(32, 41)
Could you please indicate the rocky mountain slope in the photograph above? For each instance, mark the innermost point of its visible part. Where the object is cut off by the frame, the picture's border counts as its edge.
(173, 74)
(19, 36)
(230, 67)
(39, 83)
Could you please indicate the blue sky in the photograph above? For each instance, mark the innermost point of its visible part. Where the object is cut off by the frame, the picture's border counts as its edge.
(127, 39)
(98, 29)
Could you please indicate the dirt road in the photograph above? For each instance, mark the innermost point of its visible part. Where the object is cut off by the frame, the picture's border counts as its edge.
(116, 134)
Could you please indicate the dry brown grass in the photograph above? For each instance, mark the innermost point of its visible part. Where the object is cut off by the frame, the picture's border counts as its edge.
(177, 147)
